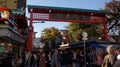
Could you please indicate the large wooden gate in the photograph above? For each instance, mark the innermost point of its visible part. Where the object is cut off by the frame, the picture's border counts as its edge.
(47, 13)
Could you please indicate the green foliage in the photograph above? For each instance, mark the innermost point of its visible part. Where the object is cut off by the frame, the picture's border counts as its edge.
(50, 33)
(75, 30)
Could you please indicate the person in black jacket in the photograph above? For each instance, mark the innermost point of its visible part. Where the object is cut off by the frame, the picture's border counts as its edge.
(34, 60)
(66, 58)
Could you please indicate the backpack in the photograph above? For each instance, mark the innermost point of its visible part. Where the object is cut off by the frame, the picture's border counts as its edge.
(106, 62)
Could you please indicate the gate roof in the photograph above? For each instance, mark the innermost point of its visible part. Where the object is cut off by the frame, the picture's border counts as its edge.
(47, 9)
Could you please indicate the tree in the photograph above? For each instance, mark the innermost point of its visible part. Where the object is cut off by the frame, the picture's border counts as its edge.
(75, 30)
(113, 18)
(49, 35)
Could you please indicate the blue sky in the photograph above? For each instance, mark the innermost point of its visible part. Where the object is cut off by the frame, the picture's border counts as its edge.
(82, 4)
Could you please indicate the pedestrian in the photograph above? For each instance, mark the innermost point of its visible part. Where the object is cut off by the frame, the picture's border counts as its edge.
(34, 60)
(77, 61)
(109, 58)
(99, 59)
(74, 58)
(117, 63)
(19, 62)
(66, 58)
(81, 58)
(28, 56)
(54, 61)
(22, 59)
(48, 58)
(43, 60)
(117, 52)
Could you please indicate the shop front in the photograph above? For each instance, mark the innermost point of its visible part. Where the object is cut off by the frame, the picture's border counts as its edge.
(11, 42)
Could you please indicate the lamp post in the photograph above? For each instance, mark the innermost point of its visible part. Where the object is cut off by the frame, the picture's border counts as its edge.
(84, 35)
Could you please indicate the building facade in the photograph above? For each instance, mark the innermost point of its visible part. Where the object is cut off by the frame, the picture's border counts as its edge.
(13, 26)
(13, 4)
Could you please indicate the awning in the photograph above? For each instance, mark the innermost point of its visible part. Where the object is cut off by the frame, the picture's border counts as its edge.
(96, 45)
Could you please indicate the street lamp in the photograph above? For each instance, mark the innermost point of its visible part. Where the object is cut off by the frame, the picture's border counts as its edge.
(84, 35)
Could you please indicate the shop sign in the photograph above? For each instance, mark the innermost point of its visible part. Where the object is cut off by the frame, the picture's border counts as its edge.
(69, 16)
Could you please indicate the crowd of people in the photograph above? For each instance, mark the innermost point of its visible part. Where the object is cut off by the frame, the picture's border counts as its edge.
(70, 58)
(7, 59)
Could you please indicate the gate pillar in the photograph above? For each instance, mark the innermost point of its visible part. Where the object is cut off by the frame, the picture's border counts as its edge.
(30, 32)
(105, 28)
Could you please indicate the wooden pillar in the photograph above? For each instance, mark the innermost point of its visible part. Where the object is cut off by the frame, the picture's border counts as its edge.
(30, 32)
(105, 28)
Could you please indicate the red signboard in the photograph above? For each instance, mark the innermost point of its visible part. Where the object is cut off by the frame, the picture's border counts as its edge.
(67, 17)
